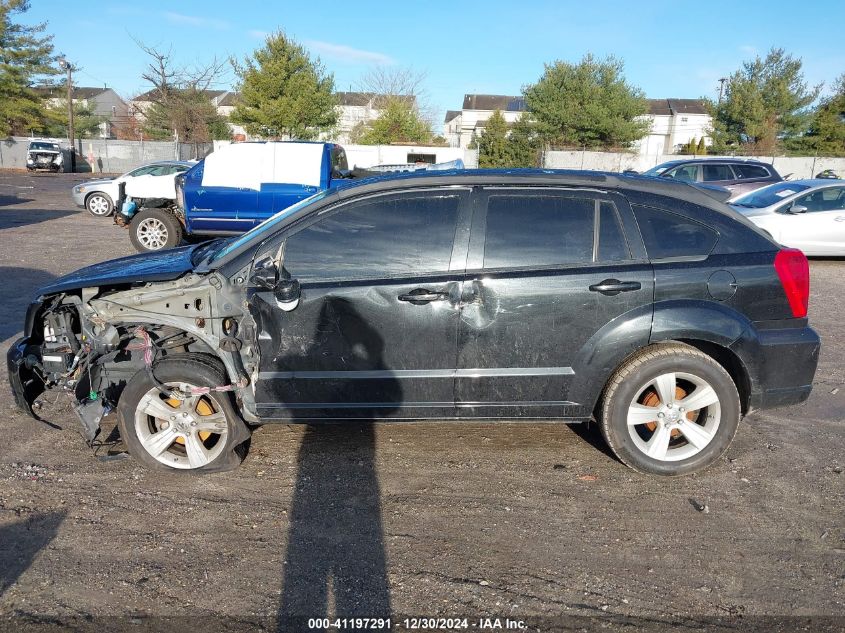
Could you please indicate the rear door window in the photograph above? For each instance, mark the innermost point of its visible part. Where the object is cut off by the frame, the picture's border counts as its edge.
(747, 172)
(525, 230)
(669, 235)
(612, 245)
(717, 172)
(548, 230)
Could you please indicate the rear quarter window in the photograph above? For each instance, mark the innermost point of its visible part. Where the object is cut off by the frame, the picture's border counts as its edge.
(670, 235)
(751, 171)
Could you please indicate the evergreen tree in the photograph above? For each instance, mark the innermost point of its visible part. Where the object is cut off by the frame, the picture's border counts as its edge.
(766, 101)
(284, 92)
(587, 104)
(26, 53)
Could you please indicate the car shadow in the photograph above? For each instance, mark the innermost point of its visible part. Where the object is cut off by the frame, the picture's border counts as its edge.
(12, 218)
(335, 563)
(17, 287)
(21, 542)
(6, 201)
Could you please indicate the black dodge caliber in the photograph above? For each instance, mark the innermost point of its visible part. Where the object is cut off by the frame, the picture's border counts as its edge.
(646, 305)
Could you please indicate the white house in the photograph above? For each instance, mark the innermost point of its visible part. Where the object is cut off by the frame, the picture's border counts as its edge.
(357, 109)
(674, 123)
(103, 102)
(460, 127)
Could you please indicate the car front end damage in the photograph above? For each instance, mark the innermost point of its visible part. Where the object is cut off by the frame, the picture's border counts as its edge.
(51, 160)
(89, 342)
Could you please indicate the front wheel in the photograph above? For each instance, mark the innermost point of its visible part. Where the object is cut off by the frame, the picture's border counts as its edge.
(99, 204)
(201, 433)
(670, 410)
(155, 230)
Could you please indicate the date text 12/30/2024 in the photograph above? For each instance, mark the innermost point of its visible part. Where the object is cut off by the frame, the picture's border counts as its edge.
(418, 624)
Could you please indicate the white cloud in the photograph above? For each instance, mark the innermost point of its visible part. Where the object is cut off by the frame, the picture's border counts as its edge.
(748, 49)
(347, 54)
(257, 34)
(196, 21)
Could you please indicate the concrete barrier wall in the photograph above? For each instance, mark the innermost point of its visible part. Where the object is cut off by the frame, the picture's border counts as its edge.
(101, 155)
(798, 166)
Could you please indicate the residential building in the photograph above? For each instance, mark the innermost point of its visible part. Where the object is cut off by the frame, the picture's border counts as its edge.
(103, 102)
(674, 123)
(224, 102)
(460, 127)
(356, 109)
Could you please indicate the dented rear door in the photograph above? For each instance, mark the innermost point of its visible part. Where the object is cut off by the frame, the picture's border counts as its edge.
(548, 269)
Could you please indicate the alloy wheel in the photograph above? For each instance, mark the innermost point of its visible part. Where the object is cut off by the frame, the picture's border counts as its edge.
(186, 434)
(674, 416)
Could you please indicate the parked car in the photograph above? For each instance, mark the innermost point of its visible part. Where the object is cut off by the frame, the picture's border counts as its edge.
(466, 295)
(805, 214)
(236, 188)
(153, 182)
(737, 175)
(44, 155)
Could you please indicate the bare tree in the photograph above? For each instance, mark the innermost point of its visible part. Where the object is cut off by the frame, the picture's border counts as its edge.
(390, 83)
(179, 97)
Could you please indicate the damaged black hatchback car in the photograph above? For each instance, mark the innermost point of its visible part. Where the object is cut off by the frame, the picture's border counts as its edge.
(646, 305)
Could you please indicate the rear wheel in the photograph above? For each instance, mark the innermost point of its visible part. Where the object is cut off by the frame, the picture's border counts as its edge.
(155, 230)
(99, 204)
(671, 410)
(200, 433)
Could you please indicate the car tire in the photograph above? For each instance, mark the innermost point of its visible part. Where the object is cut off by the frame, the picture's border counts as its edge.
(200, 434)
(155, 230)
(645, 422)
(99, 205)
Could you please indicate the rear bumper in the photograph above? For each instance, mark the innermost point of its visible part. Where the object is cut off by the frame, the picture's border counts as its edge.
(26, 386)
(781, 364)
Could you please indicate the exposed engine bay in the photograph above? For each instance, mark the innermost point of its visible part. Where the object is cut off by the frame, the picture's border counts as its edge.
(89, 343)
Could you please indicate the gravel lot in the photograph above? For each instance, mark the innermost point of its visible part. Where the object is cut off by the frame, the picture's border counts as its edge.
(524, 521)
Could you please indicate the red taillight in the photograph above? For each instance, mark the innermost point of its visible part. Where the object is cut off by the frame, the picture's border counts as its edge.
(794, 272)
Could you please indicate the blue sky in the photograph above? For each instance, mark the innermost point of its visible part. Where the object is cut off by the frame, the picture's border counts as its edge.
(670, 49)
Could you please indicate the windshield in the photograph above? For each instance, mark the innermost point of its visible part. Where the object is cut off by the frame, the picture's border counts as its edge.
(267, 227)
(659, 169)
(51, 146)
(770, 195)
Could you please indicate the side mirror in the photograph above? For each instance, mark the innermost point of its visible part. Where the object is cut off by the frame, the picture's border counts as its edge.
(797, 208)
(264, 275)
(287, 291)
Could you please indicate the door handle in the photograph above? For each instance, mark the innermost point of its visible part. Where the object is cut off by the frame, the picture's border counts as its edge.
(421, 296)
(612, 287)
(839, 218)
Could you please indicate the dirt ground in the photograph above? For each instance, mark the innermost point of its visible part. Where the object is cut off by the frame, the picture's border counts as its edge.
(533, 522)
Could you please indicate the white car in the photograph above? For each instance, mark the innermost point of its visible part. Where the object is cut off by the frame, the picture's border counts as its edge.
(804, 214)
(153, 181)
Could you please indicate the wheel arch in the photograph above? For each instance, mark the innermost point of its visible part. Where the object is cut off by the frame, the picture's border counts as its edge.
(94, 193)
(725, 357)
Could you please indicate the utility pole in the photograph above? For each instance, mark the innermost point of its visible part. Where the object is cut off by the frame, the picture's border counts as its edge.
(68, 67)
(722, 81)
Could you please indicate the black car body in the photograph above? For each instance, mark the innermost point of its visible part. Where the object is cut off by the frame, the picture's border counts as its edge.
(737, 175)
(460, 295)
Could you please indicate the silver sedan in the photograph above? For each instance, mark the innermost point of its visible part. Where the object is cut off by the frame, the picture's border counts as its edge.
(805, 214)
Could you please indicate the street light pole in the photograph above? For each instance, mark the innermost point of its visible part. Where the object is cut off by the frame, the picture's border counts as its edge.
(68, 67)
(722, 81)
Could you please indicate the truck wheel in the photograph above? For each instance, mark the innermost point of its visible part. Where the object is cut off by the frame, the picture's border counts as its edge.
(155, 230)
(670, 410)
(202, 433)
(99, 204)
